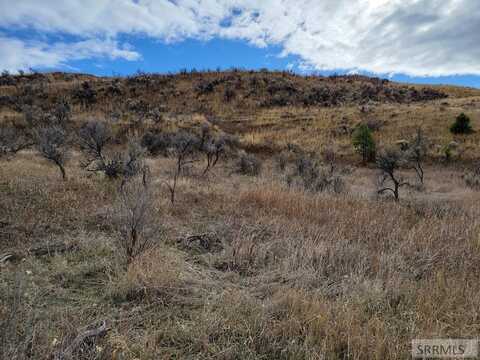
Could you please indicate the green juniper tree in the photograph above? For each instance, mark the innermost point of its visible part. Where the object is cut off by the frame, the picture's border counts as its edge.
(364, 143)
(461, 125)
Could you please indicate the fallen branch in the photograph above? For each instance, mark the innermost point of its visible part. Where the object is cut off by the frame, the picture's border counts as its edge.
(8, 257)
(44, 250)
(80, 339)
(51, 249)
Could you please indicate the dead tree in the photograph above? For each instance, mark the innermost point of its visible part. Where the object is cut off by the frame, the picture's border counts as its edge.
(213, 150)
(51, 143)
(389, 162)
(416, 154)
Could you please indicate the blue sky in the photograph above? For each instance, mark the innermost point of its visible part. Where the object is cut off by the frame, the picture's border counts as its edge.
(191, 54)
(417, 41)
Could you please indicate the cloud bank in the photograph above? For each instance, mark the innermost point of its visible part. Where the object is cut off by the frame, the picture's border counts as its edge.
(412, 37)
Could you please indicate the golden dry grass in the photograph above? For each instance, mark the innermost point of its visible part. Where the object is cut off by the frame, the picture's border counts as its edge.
(300, 275)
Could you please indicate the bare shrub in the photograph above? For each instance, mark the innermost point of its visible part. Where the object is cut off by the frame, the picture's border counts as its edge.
(213, 149)
(51, 143)
(59, 115)
(134, 220)
(182, 149)
(126, 164)
(313, 176)
(34, 116)
(92, 138)
(157, 143)
(13, 140)
(389, 162)
(248, 164)
(62, 112)
(134, 163)
(212, 146)
(416, 154)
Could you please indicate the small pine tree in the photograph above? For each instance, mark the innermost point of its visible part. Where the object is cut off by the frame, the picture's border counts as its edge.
(364, 143)
(461, 125)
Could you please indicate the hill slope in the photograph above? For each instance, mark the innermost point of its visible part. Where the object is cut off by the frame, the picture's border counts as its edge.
(267, 110)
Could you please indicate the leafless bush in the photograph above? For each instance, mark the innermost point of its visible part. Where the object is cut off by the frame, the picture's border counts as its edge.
(62, 112)
(51, 143)
(182, 148)
(157, 143)
(134, 220)
(213, 149)
(313, 176)
(92, 138)
(416, 153)
(13, 140)
(389, 162)
(34, 116)
(125, 165)
(134, 160)
(248, 164)
(59, 115)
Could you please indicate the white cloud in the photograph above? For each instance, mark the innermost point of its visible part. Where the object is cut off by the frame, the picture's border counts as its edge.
(16, 54)
(415, 37)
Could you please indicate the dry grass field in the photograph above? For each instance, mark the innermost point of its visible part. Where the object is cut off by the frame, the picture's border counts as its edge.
(240, 267)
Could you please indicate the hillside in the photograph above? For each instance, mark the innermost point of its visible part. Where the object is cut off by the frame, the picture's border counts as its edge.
(267, 110)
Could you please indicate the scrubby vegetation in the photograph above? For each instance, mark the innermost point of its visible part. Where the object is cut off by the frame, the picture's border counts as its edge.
(461, 125)
(364, 143)
(236, 215)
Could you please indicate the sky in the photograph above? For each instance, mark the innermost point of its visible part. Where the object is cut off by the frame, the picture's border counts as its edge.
(421, 41)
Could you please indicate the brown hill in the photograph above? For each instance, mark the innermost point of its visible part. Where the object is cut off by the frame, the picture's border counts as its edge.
(266, 110)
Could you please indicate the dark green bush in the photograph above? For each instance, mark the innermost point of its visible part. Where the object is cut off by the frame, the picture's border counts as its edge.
(461, 125)
(364, 143)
